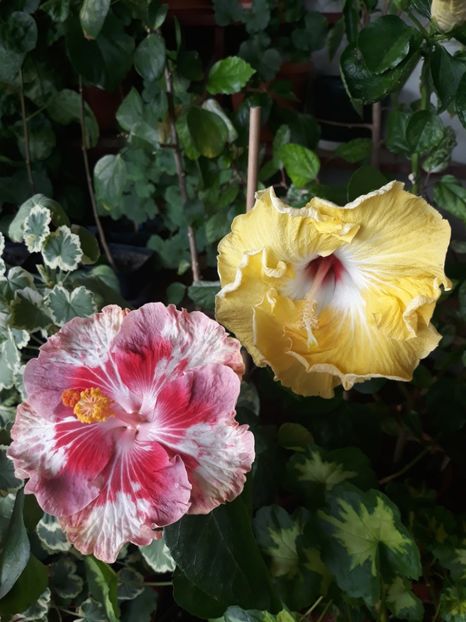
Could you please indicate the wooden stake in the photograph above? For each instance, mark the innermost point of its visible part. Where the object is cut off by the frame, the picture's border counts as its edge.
(253, 159)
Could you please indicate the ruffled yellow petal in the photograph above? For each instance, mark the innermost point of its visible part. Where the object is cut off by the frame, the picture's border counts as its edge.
(372, 317)
(448, 13)
(399, 252)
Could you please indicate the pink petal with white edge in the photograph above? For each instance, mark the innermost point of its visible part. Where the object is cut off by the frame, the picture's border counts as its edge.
(83, 343)
(144, 490)
(156, 342)
(63, 459)
(194, 417)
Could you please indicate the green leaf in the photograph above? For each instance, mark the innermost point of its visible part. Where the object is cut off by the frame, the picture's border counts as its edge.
(460, 101)
(365, 180)
(37, 612)
(447, 71)
(104, 61)
(89, 244)
(92, 611)
(227, 11)
(20, 32)
(62, 250)
(366, 540)
(316, 471)
(312, 36)
(142, 608)
(8, 481)
(276, 533)
(291, 544)
(42, 139)
(453, 604)
(355, 150)
(36, 228)
(149, 57)
(103, 586)
(229, 75)
(59, 217)
(157, 555)
(397, 124)
(450, 195)
(65, 580)
(214, 106)
(294, 436)
(130, 583)
(193, 600)
(27, 589)
(51, 535)
(65, 108)
(236, 614)
(424, 131)
(365, 86)
(65, 305)
(15, 547)
(219, 555)
(384, 43)
(301, 164)
(10, 361)
(402, 602)
(110, 175)
(440, 157)
(92, 16)
(208, 132)
(27, 311)
(131, 116)
(203, 294)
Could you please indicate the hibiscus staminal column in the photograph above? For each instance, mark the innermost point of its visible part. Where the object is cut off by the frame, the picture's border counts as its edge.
(129, 423)
(330, 295)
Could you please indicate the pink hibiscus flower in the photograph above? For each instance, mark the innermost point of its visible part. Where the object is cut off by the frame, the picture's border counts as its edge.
(129, 424)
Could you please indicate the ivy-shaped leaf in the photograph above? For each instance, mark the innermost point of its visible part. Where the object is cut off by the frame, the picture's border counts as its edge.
(92, 611)
(36, 228)
(37, 612)
(51, 535)
(62, 250)
(453, 604)
(27, 311)
(10, 360)
(2, 248)
(58, 215)
(157, 555)
(316, 471)
(130, 583)
(402, 602)
(365, 539)
(65, 580)
(291, 544)
(65, 305)
(8, 481)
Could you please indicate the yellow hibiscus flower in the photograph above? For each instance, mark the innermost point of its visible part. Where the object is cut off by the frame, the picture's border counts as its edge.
(448, 13)
(330, 295)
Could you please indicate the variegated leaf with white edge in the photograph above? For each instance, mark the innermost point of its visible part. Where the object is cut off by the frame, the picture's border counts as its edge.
(38, 612)
(36, 228)
(91, 611)
(64, 305)
(62, 249)
(10, 360)
(51, 535)
(8, 481)
(65, 580)
(130, 583)
(2, 248)
(157, 555)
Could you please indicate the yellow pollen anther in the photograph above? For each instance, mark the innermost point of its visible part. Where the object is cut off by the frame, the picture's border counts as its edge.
(89, 405)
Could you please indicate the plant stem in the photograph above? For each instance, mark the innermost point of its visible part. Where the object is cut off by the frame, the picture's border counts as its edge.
(84, 148)
(424, 105)
(326, 608)
(311, 608)
(406, 468)
(27, 150)
(376, 133)
(180, 173)
(158, 583)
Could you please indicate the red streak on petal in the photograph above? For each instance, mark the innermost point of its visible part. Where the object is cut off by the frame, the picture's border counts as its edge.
(323, 270)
